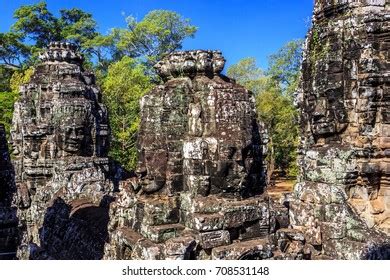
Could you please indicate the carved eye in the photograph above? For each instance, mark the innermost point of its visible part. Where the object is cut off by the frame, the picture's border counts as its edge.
(80, 131)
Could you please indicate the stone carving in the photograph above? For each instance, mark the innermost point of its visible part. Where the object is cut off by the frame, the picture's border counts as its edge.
(342, 198)
(60, 138)
(8, 218)
(199, 131)
(201, 169)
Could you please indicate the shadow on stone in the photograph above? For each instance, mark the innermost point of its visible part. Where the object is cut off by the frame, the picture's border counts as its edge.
(9, 239)
(77, 230)
(378, 252)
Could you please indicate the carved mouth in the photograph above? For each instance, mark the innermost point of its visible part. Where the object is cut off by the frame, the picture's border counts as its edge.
(72, 146)
(323, 128)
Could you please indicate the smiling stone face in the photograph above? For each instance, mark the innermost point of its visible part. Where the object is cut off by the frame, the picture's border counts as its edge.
(74, 137)
(329, 116)
(199, 132)
(60, 137)
(74, 131)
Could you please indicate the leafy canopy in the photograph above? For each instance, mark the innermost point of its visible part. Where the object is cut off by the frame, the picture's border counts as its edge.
(123, 87)
(284, 65)
(7, 100)
(159, 33)
(35, 27)
(274, 89)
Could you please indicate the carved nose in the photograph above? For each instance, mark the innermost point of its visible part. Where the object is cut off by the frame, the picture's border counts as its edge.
(317, 116)
(73, 134)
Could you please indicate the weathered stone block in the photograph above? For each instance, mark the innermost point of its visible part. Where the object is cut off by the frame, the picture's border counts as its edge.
(147, 250)
(235, 217)
(160, 210)
(205, 222)
(254, 229)
(214, 239)
(251, 250)
(333, 230)
(161, 233)
(180, 248)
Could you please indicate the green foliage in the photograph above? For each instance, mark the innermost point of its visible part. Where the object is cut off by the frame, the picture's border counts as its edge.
(274, 90)
(35, 27)
(124, 86)
(245, 70)
(317, 48)
(36, 23)
(100, 47)
(12, 50)
(77, 26)
(5, 77)
(157, 34)
(7, 100)
(284, 66)
(19, 78)
(278, 113)
(246, 73)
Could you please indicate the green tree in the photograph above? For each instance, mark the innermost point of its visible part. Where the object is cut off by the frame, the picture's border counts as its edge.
(284, 66)
(159, 33)
(247, 74)
(274, 90)
(278, 113)
(5, 77)
(35, 27)
(123, 87)
(36, 23)
(12, 50)
(7, 100)
(19, 78)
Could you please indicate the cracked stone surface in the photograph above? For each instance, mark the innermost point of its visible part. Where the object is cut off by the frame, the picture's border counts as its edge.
(342, 200)
(60, 142)
(201, 169)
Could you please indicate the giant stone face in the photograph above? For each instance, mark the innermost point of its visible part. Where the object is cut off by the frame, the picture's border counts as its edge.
(199, 131)
(74, 130)
(343, 102)
(60, 137)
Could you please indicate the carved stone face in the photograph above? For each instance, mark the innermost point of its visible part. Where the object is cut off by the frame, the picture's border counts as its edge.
(73, 137)
(329, 115)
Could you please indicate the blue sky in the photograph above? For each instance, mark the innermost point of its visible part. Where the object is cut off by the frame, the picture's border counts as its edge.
(239, 28)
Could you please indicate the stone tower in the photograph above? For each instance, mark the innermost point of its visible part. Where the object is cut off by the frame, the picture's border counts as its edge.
(199, 131)
(201, 169)
(342, 200)
(60, 143)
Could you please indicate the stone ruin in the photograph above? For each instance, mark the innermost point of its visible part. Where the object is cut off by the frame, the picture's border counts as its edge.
(200, 184)
(60, 143)
(342, 200)
(199, 191)
(201, 170)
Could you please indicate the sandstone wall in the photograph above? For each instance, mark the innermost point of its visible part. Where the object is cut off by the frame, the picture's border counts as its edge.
(60, 143)
(342, 199)
(201, 170)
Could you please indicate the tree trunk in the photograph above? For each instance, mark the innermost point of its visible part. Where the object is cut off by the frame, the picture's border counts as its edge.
(270, 163)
